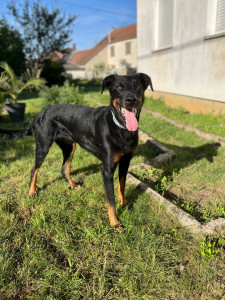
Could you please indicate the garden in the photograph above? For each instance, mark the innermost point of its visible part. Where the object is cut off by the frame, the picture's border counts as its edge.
(59, 245)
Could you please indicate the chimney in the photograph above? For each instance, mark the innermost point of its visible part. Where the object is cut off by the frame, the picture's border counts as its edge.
(74, 47)
(109, 34)
(109, 37)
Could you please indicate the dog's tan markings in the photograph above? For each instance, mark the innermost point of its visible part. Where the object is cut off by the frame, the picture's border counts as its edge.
(133, 151)
(121, 186)
(114, 222)
(116, 101)
(33, 187)
(72, 184)
(140, 100)
(117, 156)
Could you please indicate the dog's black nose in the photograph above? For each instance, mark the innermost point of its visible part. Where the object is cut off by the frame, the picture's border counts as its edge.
(131, 99)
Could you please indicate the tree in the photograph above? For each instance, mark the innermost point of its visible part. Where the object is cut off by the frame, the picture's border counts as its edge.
(13, 85)
(52, 72)
(42, 31)
(11, 47)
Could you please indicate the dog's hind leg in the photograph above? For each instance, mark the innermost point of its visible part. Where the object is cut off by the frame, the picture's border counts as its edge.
(68, 151)
(43, 143)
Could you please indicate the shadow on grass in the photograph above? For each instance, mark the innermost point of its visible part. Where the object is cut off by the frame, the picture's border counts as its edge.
(21, 148)
(185, 155)
(189, 155)
(91, 169)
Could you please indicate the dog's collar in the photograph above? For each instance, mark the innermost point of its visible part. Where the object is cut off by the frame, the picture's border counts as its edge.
(116, 121)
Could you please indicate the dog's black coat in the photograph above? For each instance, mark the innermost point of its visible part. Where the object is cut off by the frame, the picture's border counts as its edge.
(95, 130)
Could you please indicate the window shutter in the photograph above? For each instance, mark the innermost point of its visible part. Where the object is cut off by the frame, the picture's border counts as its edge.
(165, 23)
(220, 16)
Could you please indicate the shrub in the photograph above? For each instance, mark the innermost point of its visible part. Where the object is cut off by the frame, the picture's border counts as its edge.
(65, 94)
(52, 72)
(2, 101)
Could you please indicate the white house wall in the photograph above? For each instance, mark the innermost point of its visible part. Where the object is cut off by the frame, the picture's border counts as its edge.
(194, 65)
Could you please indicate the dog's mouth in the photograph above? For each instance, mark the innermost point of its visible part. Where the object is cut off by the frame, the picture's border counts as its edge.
(129, 117)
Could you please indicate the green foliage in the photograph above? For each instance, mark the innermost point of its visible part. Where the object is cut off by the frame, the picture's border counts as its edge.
(65, 94)
(43, 31)
(52, 72)
(213, 211)
(208, 249)
(210, 246)
(158, 178)
(2, 101)
(14, 86)
(11, 47)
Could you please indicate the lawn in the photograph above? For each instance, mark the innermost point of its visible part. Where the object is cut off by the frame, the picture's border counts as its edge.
(59, 245)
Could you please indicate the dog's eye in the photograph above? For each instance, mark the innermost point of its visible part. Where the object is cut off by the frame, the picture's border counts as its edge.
(120, 87)
(138, 87)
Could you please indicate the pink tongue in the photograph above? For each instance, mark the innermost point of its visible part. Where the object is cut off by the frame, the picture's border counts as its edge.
(131, 121)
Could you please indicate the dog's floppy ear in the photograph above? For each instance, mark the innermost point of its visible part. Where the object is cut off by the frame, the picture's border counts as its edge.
(107, 82)
(145, 80)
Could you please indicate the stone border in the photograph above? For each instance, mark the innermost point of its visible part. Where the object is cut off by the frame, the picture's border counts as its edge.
(161, 159)
(201, 133)
(214, 227)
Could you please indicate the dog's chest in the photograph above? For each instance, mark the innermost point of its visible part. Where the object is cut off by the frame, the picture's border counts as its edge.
(126, 145)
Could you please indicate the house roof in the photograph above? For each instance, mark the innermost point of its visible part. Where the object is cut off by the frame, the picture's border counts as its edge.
(59, 55)
(116, 35)
(123, 33)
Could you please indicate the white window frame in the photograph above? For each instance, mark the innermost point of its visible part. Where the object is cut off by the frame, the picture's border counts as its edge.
(158, 47)
(211, 20)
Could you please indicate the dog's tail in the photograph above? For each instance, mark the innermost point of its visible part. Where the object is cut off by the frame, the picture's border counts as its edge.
(18, 134)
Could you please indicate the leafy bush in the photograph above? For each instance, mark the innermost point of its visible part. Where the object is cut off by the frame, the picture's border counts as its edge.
(2, 101)
(52, 72)
(65, 94)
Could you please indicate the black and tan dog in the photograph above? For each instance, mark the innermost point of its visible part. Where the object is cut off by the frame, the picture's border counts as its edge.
(108, 132)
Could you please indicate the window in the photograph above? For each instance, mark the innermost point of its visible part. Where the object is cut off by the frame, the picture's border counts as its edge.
(112, 51)
(220, 16)
(215, 24)
(128, 48)
(163, 24)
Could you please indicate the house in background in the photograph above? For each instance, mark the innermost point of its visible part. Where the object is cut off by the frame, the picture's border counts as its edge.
(115, 53)
(181, 45)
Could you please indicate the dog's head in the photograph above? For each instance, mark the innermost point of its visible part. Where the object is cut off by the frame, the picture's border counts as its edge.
(127, 97)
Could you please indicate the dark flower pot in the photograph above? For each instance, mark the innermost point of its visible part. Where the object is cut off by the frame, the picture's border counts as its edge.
(16, 111)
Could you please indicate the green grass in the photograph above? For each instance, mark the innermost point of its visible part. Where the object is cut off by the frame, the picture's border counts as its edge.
(59, 245)
(207, 122)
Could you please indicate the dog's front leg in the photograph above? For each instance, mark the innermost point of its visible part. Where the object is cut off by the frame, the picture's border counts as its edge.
(107, 173)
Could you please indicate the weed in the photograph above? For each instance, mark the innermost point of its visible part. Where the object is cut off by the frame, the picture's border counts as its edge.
(173, 235)
(211, 246)
(213, 211)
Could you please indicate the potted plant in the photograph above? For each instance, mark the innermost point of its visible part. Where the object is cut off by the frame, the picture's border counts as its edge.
(13, 86)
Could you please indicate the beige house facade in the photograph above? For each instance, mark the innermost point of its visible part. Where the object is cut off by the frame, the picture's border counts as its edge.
(182, 47)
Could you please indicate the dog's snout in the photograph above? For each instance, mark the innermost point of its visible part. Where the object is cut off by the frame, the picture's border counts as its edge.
(130, 99)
